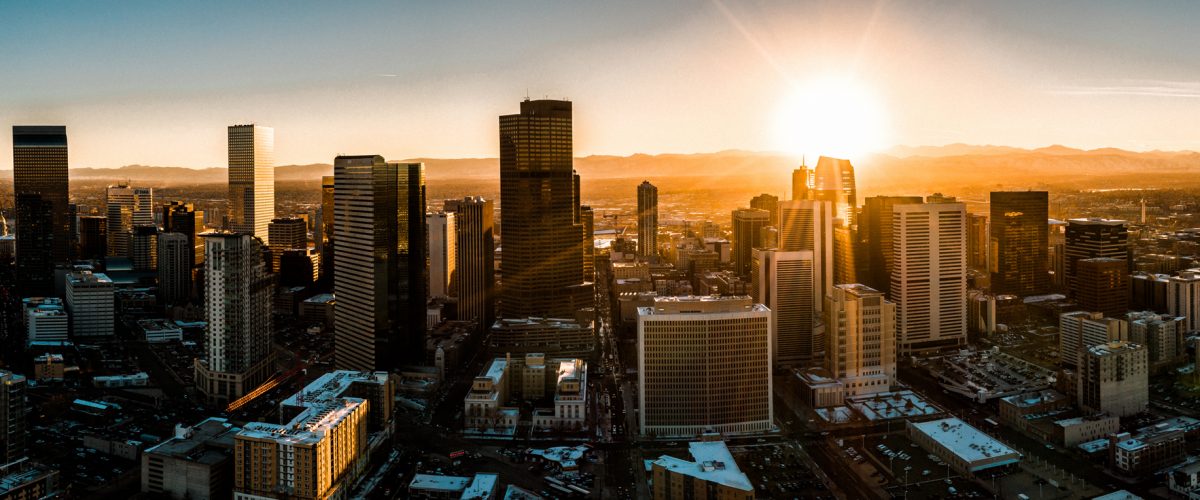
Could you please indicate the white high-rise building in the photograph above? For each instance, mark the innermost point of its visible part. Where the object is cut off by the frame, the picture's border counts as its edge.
(808, 225)
(929, 277)
(251, 179)
(47, 322)
(1078, 331)
(90, 304)
(783, 281)
(1183, 298)
(127, 207)
(237, 307)
(861, 346)
(443, 263)
(704, 364)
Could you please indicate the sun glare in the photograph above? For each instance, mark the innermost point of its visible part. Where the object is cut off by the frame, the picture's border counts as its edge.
(831, 116)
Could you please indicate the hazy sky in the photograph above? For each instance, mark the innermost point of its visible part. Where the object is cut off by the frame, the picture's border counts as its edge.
(157, 82)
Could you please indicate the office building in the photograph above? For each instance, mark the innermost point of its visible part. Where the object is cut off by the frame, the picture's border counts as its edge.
(1095, 238)
(875, 239)
(807, 225)
(965, 449)
(542, 265)
(1183, 297)
(801, 180)
(1152, 448)
(1163, 335)
(46, 320)
(286, 233)
(704, 364)
(127, 207)
(143, 248)
(783, 281)
(237, 310)
(379, 267)
(43, 235)
(833, 182)
(174, 269)
(93, 237)
(767, 202)
(587, 217)
(1081, 330)
(89, 300)
(861, 339)
(195, 463)
(532, 377)
(443, 254)
(1019, 242)
(558, 337)
(183, 218)
(712, 474)
(929, 279)
(476, 248)
(977, 241)
(647, 220)
(324, 236)
(12, 416)
(1113, 378)
(251, 179)
(1102, 284)
(748, 225)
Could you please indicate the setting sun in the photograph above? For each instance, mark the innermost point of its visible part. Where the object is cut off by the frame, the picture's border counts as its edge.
(831, 116)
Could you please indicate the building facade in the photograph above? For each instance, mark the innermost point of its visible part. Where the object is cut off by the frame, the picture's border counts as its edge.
(443, 254)
(251, 179)
(783, 281)
(1019, 242)
(861, 339)
(475, 244)
(748, 224)
(929, 278)
(90, 304)
(1114, 378)
(647, 213)
(43, 235)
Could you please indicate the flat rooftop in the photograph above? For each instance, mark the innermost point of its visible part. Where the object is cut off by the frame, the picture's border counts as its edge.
(967, 442)
(431, 482)
(711, 462)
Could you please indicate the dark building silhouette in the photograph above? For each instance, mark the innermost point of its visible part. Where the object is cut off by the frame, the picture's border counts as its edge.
(1093, 238)
(1019, 242)
(325, 241)
(40, 190)
(833, 181)
(476, 247)
(767, 202)
(801, 180)
(875, 239)
(183, 218)
(748, 224)
(647, 220)
(93, 237)
(542, 266)
(1102, 285)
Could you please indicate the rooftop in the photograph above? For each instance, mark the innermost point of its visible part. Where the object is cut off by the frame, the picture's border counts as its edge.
(1029, 399)
(967, 442)
(712, 462)
(1110, 348)
(702, 304)
(321, 298)
(482, 485)
(431, 482)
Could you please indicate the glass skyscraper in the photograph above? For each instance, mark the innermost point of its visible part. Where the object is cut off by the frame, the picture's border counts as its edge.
(40, 191)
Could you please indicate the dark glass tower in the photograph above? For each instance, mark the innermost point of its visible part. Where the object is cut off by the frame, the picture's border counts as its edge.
(180, 217)
(40, 189)
(875, 239)
(647, 220)
(542, 234)
(1019, 242)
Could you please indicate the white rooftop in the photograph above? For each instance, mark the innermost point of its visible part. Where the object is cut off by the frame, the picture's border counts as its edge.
(967, 442)
(431, 482)
(482, 485)
(713, 463)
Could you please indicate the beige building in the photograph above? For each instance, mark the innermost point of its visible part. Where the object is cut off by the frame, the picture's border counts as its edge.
(929, 276)
(1113, 378)
(704, 363)
(533, 377)
(712, 474)
(1080, 330)
(861, 347)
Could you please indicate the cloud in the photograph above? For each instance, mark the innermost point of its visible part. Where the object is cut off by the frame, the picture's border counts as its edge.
(1148, 88)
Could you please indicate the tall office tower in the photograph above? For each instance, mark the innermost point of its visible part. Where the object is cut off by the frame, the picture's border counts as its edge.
(1114, 378)
(325, 241)
(1080, 330)
(183, 218)
(43, 235)
(929, 281)
(251, 179)
(801, 180)
(1093, 238)
(783, 281)
(875, 239)
(174, 269)
(476, 244)
(90, 304)
(977, 241)
(127, 207)
(860, 349)
(286, 233)
(12, 416)
(93, 237)
(379, 222)
(1102, 284)
(237, 308)
(725, 383)
(1019, 242)
(443, 254)
(143, 248)
(1183, 297)
(848, 262)
(542, 267)
(647, 220)
(587, 218)
(769, 203)
(1056, 251)
(808, 225)
(833, 181)
(748, 224)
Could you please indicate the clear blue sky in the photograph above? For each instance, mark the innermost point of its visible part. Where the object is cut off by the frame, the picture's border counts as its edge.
(157, 82)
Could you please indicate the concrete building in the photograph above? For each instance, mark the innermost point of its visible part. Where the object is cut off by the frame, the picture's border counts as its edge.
(962, 447)
(711, 474)
(1163, 335)
(704, 363)
(875, 239)
(481, 486)
(557, 337)
(1080, 330)
(534, 377)
(13, 408)
(784, 282)
(1151, 448)
(196, 463)
(443, 254)
(90, 304)
(46, 320)
(929, 276)
(1113, 378)
(861, 333)
(251, 179)
(1183, 297)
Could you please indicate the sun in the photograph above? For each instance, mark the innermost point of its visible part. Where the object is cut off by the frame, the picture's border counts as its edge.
(831, 116)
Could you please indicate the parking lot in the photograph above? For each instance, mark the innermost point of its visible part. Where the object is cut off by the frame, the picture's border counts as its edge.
(913, 471)
(777, 471)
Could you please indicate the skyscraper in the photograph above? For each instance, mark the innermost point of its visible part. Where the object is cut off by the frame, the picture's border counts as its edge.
(1092, 238)
(174, 269)
(1019, 242)
(587, 218)
(43, 235)
(93, 237)
(861, 339)
(476, 246)
(748, 224)
(833, 181)
(325, 241)
(542, 264)
(929, 280)
(1102, 284)
(286, 233)
(801, 180)
(875, 238)
(379, 222)
(647, 220)
(783, 281)
(768, 202)
(251, 179)
(977, 241)
(808, 225)
(443, 254)
(183, 218)
(237, 309)
(143, 247)
(127, 207)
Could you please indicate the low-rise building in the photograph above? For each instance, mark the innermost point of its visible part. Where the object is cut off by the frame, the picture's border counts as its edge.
(963, 447)
(532, 377)
(139, 379)
(46, 320)
(319, 309)
(160, 330)
(711, 474)
(1185, 481)
(24, 481)
(1078, 430)
(197, 463)
(481, 486)
(1150, 449)
(549, 336)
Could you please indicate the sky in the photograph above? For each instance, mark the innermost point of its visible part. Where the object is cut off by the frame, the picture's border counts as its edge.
(156, 83)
